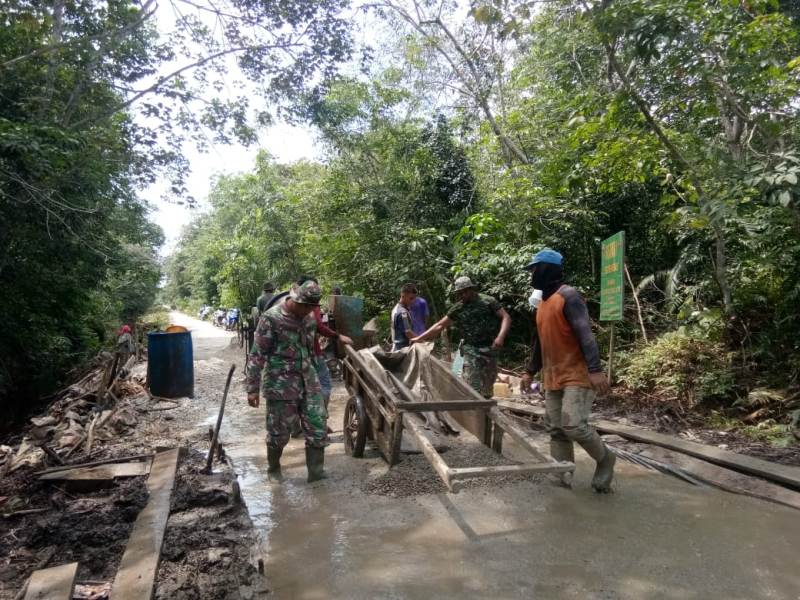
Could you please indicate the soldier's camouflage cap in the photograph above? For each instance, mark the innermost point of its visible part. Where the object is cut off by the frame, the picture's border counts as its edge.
(306, 293)
(463, 283)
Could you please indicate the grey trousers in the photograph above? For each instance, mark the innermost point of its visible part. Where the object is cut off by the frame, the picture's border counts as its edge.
(567, 414)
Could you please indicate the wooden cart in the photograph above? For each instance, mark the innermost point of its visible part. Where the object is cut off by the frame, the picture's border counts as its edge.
(381, 410)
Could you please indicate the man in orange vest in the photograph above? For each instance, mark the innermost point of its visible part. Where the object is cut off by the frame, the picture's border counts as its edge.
(567, 354)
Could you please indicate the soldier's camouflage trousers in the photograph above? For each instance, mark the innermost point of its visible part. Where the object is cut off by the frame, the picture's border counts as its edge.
(480, 369)
(309, 410)
(567, 414)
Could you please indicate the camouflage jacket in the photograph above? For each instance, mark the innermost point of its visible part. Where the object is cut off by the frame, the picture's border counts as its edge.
(283, 349)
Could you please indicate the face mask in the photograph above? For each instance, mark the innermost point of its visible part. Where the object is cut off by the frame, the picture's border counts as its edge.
(535, 298)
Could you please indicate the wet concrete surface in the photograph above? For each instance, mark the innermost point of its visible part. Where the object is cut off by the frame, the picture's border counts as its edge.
(656, 537)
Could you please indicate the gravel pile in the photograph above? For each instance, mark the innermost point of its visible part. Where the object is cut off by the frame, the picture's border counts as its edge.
(415, 476)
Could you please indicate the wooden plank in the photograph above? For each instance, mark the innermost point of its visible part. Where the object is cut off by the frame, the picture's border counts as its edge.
(725, 479)
(519, 435)
(369, 390)
(411, 403)
(474, 421)
(55, 583)
(526, 409)
(497, 438)
(396, 440)
(359, 363)
(444, 405)
(137, 570)
(784, 474)
(779, 473)
(502, 470)
(423, 443)
(109, 472)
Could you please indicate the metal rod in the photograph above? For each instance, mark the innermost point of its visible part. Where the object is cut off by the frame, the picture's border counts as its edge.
(214, 439)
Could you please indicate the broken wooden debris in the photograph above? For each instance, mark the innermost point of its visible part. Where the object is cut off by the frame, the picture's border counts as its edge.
(135, 578)
(46, 556)
(27, 511)
(55, 583)
(106, 461)
(99, 472)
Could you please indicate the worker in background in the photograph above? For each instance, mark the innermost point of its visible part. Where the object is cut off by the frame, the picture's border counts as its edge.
(478, 316)
(323, 373)
(284, 350)
(125, 344)
(419, 312)
(567, 354)
(402, 327)
(267, 294)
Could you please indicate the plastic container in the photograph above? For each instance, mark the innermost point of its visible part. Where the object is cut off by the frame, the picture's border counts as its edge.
(170, 364)
(501, 390)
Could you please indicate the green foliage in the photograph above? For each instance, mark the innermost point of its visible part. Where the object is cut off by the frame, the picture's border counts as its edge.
(682, 369)
(504, 130)
(155, 320)
(78, 255)
(766, 431)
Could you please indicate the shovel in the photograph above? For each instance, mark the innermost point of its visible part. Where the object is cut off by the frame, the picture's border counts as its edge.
(215, 437)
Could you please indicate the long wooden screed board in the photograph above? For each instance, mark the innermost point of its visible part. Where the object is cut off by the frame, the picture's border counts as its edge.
(137, 569)
(784, 474)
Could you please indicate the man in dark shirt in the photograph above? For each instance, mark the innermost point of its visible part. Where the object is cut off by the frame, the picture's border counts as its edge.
(478, 317)
(265, 297)
(566, 352)
(402, 326)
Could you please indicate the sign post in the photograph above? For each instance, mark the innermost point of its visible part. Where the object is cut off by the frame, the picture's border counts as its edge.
(612, 287)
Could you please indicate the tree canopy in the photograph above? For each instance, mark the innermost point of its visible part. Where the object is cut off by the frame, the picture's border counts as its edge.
(477, 135)
(95, 104)
(463, 139)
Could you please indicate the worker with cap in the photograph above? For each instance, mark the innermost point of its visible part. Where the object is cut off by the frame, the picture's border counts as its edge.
(478, 316)
(566, 352)
(284, 350)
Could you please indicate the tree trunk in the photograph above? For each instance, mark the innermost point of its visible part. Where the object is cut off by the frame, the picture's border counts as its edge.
(720, 267)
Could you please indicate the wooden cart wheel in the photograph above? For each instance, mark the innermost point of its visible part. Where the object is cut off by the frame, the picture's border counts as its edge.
(355, 427)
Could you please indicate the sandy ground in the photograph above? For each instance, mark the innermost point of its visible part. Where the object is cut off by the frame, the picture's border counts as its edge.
(656, 537)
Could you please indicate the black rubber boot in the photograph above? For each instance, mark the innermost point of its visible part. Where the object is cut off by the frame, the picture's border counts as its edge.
(315, 463)
(604, 473)
(563, 451)
(274, 462)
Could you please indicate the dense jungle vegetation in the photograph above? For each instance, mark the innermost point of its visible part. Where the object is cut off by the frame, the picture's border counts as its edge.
(458, 138)
(96, 101)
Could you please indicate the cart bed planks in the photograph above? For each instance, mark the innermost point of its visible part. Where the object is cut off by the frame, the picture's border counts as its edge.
(389, 411)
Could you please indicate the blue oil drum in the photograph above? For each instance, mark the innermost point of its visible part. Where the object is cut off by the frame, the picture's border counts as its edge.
(170, 364)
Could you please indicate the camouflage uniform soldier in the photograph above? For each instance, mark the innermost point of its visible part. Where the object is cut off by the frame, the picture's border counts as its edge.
(284, 349)
(478, 316)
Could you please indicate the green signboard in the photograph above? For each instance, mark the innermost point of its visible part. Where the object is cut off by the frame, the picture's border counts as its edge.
(612, 283)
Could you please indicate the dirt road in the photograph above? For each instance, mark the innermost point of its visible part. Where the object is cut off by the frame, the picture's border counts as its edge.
(657, 537)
